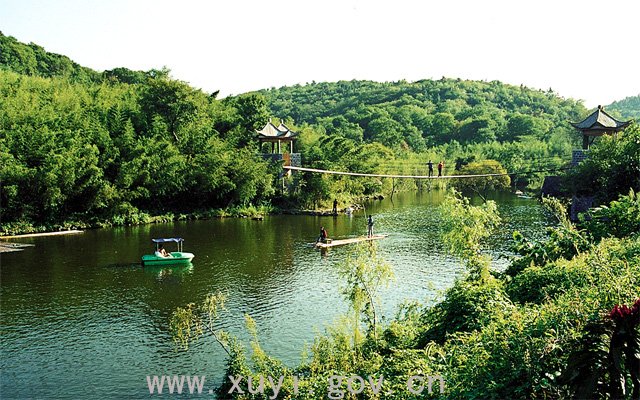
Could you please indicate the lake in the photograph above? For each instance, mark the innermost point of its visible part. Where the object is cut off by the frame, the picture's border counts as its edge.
(80, 318)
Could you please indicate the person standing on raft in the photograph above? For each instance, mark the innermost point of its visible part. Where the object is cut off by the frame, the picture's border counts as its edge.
(370, 226)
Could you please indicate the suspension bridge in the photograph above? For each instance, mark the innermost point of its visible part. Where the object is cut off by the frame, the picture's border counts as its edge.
(330, 172)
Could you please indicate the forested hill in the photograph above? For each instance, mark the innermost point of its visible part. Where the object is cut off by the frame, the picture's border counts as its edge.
(33, 60)
(419, 114)
(116, 146)
(427, 112)
(87, 148)
(628, 107)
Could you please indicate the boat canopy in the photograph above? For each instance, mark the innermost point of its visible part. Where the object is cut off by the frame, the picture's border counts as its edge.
(166, 240)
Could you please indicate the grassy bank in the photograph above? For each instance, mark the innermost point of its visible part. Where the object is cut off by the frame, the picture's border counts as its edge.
(132, 217)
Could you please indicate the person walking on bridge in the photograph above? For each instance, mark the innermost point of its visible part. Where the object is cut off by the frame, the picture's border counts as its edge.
(440, 167)
(430, 165)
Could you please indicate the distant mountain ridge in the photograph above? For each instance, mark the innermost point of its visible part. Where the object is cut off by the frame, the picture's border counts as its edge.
(436, 111)
(33, 60)
(628, 107)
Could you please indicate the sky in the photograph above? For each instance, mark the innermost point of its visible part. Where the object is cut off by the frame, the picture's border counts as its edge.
(584, 49)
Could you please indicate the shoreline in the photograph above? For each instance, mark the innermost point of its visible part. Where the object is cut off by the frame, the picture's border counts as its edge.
(257, 215)
(8, 247)
(216, 214)
(53, 233)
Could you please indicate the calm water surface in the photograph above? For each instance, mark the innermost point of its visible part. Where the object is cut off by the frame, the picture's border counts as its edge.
(80, 318)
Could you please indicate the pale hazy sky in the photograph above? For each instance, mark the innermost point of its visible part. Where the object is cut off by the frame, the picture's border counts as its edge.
(581, 49)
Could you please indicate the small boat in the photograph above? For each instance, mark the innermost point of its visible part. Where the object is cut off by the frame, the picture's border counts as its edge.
(175, 258)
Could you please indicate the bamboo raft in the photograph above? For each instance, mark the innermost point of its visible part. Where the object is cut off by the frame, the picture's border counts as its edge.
(341, 242)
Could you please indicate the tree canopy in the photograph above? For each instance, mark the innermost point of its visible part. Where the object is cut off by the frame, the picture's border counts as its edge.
(629, 107)
(81, 145)
(85, 145)
(430, 112)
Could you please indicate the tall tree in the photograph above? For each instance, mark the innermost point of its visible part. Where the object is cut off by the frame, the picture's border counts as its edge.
(173, 101)
(252, 114)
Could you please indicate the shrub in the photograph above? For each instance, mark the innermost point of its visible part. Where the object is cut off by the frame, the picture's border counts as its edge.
(482, 185)
(467, 306)
(520, 353)
(619, 219)
(607, 361)
(612, 168)
(537, 284)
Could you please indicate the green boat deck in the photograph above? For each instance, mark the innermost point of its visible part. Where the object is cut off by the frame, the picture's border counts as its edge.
(177, 258)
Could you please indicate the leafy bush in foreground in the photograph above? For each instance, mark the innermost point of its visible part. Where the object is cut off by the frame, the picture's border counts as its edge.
(521, 352)
(619, 219)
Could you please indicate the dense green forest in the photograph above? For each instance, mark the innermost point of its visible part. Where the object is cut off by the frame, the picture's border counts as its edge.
(120, 146)
(33, 60)
(428, 113)
(628, 107)
(452, 120)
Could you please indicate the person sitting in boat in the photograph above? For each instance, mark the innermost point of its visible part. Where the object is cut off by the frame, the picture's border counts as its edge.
(323, 235)
(161, 252)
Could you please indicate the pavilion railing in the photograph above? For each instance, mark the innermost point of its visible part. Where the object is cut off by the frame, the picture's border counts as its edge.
(288, 159)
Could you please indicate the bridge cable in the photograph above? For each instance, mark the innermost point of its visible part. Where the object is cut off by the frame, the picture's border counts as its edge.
(324, 171)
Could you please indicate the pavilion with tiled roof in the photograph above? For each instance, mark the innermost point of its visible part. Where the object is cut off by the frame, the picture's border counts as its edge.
(598, 123)
(276, 134)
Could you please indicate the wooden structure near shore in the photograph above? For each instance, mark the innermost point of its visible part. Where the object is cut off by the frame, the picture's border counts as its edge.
(56, 233)
(596, 124)
(6, 247)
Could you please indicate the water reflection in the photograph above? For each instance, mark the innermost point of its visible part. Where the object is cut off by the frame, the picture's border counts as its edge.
(168, 272)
